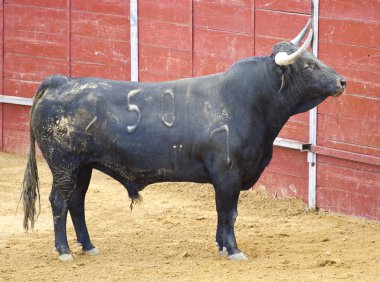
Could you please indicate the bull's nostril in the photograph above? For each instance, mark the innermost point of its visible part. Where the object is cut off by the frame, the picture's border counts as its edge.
(343, 83)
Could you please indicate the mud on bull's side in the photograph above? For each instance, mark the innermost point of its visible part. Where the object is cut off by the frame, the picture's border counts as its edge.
(216, 129)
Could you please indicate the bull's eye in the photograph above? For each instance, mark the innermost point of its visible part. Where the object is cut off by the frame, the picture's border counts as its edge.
(309, 66)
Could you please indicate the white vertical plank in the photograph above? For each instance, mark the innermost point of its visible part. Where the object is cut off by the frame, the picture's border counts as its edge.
(312, 157)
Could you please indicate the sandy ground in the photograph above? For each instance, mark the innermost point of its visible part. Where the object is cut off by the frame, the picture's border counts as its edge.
(170, 237)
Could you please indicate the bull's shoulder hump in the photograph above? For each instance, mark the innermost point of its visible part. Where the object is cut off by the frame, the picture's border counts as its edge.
(54, 82)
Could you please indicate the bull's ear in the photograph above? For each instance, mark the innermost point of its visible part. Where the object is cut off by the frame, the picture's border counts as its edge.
(283, 59)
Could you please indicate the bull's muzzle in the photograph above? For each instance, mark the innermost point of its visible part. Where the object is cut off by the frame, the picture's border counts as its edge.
(341, 84)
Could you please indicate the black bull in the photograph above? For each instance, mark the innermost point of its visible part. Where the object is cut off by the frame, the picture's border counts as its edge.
(216, 129)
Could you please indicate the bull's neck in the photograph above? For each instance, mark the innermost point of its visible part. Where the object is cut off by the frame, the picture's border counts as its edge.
(260, 81)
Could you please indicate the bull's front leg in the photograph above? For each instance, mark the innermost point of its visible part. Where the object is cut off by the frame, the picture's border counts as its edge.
(226, 204)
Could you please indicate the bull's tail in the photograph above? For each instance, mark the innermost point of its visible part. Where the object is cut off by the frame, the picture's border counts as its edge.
(30, 190)
(30, 186)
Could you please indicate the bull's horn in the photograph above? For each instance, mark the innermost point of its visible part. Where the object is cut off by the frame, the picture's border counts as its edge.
(301, 35)
(283, 59)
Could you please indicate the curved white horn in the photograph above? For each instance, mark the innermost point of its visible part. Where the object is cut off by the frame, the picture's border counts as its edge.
(296, 40)
(283, 59)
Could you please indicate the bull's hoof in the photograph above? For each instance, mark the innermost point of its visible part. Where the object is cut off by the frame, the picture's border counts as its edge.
(66, 257)
(92, 252)
(223, 252)
(238, 256)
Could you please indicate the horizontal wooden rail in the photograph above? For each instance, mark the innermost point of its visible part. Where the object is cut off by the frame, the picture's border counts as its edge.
(345, 155)
(16, 100)
(291, 144)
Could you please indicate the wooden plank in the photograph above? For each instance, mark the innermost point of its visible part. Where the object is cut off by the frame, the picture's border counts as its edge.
(164, 34)
(352, 107)
(294, 6)
(348, 187)
(56, 4)
(264, 45)
(363, 88)
(224, 16)
(32, 68)
(301, 118)
(215, 51)
(115, 7)
(283, 186)
(366, 10)
(286, 175)
(165, 60)
(20, 88)
(37, 19)
(204, 64)
(100, 51)
(349, 203)
(283, 26)
(16, 141)
(100, 26)
(32, 43)
(349, 147)
(295, 131)
(360, 33)
(348, 164)
(346, 155)
(223, 44)
(172, 11)
(238, 3)
(84, 69)
(15, 117)
(363, 205)
(348, 130)
(289, 162)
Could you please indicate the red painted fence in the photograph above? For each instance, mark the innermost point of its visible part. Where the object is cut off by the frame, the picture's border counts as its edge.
(183, 38)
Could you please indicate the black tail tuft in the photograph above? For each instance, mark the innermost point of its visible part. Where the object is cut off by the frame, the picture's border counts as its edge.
(30, 187)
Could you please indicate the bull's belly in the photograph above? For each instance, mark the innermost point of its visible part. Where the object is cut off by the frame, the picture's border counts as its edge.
(146, 171)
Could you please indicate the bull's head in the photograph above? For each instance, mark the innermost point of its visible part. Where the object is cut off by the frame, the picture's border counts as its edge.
(301, 69)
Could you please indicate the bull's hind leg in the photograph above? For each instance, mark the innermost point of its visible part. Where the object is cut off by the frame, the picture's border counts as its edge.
(76, 208)
(59, 197)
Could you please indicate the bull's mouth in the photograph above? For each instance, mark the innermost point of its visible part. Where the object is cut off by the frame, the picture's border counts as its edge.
(339, 92)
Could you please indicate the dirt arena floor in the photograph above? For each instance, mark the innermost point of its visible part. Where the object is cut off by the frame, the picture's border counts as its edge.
(170, 237)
